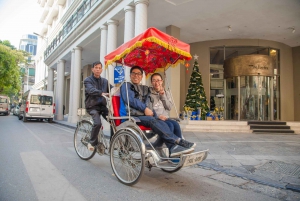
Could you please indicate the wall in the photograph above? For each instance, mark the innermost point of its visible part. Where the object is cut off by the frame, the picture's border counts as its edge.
(286, 66)
(296, 64)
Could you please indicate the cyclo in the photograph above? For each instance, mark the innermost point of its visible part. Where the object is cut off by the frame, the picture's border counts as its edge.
(152, 50)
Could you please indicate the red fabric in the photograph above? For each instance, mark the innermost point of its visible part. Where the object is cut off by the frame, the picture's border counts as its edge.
(116, 108)
(150, 50)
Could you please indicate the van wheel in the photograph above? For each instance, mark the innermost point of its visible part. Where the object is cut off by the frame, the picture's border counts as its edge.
(19, 117)
(24, 118)
(50, 120)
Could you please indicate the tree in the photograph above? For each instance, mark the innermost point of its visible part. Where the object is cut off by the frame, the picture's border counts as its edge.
(196, 98)
(10, 82)
(8, 44)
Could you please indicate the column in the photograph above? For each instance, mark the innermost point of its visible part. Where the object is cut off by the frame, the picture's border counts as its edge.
(176, 76)
(128, 32)
(103, 48)
(60, 89)
(71, 86)
(50, 79)
(141, 16)
(76, 83)
(111, 44)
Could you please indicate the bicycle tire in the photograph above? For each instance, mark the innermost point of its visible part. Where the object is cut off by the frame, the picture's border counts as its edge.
(126, 152)
(82, 136)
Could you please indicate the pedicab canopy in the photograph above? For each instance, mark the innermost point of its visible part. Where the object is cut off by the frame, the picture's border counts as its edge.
(152, 50)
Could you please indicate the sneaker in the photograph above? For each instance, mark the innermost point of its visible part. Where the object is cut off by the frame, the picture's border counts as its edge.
(177, 150)
(91, 147)
(186, 144)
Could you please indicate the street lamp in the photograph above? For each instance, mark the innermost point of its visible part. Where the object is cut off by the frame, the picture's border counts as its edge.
(46, 39)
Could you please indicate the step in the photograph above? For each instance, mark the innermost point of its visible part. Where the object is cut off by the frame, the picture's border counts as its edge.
(272, 131)
(214, 123)
(258, 126)
(216, 127)
(267, 122)
(216, 130)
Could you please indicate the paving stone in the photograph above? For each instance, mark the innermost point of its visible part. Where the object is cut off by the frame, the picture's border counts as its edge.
(201, 171)
(229, 179)
(229, 163)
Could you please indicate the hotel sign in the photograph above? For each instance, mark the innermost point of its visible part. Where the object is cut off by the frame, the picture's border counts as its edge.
(249, 65)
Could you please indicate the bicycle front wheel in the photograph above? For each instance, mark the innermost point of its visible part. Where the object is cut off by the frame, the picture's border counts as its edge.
(126, 158)
(82, 137)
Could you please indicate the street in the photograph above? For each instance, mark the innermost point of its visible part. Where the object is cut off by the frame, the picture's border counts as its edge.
(38, 162)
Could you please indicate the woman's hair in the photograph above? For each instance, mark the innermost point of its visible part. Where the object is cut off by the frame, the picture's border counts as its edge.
(136, 67)
(156, 74)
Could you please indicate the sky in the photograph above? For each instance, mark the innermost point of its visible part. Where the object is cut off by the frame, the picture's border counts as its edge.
(17, 18)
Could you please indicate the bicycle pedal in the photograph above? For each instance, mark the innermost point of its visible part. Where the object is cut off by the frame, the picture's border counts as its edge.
(100, 148)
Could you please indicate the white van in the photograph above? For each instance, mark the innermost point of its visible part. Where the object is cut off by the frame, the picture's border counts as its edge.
(4, 105)
(37, 104)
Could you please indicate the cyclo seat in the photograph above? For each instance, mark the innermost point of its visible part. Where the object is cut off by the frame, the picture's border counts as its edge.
(116, 109)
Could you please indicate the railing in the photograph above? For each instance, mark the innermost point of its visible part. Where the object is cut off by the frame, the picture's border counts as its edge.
(81, 11)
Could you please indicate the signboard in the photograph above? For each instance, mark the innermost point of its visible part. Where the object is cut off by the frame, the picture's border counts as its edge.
(119, 74)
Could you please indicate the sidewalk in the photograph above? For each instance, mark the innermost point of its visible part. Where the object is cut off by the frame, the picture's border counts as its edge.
(272, 160)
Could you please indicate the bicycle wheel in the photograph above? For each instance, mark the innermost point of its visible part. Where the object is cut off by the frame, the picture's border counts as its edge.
(82, 136)
(126, 158)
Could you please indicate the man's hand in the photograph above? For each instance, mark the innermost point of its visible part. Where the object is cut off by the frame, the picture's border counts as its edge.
(148, 112)
(105, 94)
(162, 117)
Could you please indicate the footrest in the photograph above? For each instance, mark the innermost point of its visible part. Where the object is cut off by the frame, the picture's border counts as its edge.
(193, 158)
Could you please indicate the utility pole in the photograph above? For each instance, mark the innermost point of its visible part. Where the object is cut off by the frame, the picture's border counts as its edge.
(46, 40)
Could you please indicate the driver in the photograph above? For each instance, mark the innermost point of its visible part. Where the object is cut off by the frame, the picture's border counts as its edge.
(95, 104)
(137, 95)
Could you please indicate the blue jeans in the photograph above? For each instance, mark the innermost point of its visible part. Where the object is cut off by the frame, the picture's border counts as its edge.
(161, 128)
(174, 127)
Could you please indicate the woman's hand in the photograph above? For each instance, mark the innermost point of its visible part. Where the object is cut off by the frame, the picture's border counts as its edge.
(148, 112)
(162, 117)
(162, 91)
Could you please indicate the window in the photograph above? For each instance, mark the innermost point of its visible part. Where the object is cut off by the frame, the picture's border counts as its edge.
(35, 99)
(46, 100)
(3, 100)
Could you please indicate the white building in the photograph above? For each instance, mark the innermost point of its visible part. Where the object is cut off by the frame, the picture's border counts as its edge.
(77, 33)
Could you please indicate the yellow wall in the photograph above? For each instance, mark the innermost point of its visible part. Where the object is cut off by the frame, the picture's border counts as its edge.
(296, 64)
(286, 69)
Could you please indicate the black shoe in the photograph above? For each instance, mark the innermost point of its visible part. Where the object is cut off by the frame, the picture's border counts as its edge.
(186, 144)
(177, 150)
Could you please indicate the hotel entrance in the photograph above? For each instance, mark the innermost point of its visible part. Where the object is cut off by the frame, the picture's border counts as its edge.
(246, 86)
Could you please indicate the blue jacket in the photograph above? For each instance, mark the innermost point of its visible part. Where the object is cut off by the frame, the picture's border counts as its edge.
(137, 99)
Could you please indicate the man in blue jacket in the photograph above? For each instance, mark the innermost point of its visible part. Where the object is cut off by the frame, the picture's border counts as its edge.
(137, 95)
(95, 104)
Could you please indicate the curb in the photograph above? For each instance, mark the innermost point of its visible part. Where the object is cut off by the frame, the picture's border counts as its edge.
(238, 172)
(69, 126)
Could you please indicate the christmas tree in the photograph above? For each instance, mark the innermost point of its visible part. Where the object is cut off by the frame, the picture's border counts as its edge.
(196, 98)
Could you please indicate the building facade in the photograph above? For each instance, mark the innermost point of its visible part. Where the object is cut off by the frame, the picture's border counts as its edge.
(28, 43)
(76, 33)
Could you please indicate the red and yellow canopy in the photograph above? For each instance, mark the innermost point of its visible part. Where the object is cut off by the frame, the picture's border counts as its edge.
(152, 50)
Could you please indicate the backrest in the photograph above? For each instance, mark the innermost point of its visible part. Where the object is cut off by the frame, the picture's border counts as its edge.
(116, 107)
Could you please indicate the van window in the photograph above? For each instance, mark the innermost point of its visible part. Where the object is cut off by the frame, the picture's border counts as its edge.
(46, 100)
(3, 100)
(35, 99)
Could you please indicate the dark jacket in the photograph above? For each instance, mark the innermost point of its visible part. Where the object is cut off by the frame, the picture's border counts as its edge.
(94, 87)
(137, 95)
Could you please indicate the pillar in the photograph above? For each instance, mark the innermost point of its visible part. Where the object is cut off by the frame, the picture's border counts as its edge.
(176, 76)
(50, 79)
(128, 32)
(76, 83)
(60, 89)
(141, 16)
(71, 86)
(103, 48)
(111, 44)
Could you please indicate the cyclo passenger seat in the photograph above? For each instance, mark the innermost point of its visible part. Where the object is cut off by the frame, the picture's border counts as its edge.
(116, 108)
